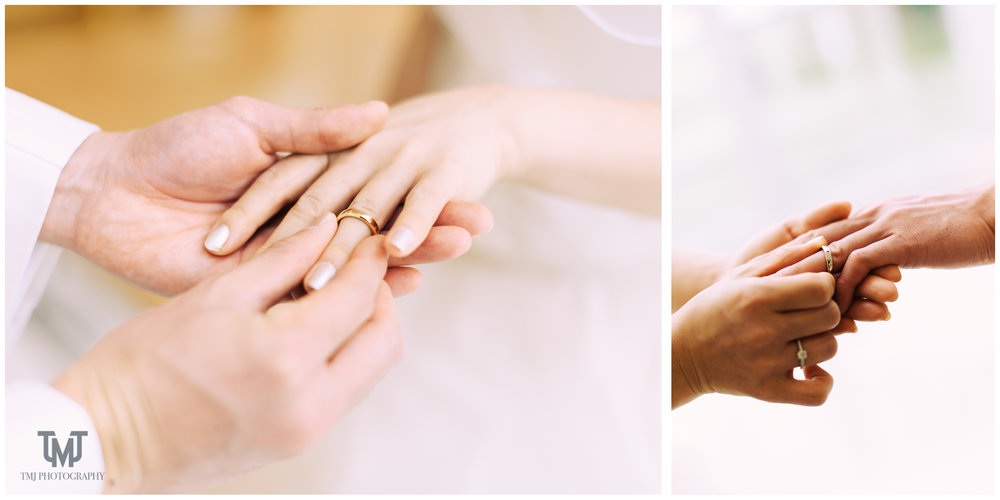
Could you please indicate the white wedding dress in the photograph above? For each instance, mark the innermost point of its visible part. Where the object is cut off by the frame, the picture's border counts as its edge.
(533, 363)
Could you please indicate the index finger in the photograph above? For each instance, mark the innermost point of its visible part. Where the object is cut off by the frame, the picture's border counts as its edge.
(337, 310)
(802, 291)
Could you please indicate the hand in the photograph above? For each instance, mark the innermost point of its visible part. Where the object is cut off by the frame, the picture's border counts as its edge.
(738, 335)
(952, 230)
(433, 150)
(868, 303)
(453, 146)
(140, 202)
(223, 378)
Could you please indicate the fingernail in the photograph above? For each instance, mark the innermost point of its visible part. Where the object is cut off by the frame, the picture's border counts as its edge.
(887, 316)
(817, 242)
(854, 329)
(217, 238)
(402, 238)
(325, 218)
(320, 275)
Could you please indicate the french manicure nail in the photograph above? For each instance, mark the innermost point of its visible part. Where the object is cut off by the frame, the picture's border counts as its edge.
(320, 275)
(402, 238)
(217, 238)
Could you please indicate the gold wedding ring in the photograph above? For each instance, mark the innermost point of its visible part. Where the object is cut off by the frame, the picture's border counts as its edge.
(829, 258)
(361, 216)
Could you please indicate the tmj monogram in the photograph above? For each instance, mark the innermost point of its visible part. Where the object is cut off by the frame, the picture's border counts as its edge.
(54, 453)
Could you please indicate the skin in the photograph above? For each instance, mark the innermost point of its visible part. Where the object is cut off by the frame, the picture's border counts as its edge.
(738, 335)
(693, 273)
(453, 146)
(139, 203)
(226, 377)
(943, 231)
(737, 318)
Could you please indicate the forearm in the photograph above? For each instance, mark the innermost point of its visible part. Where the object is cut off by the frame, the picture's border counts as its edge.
(586, 146)
(691, 273)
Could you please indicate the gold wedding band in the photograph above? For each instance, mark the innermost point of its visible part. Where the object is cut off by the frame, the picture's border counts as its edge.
(829, 258)
(361, 216)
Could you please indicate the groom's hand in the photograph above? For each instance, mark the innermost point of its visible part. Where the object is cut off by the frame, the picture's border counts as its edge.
(139, 203)
(953, 230)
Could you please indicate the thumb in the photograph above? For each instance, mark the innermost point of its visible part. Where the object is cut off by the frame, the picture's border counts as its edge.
(301, 130)
(812, 391)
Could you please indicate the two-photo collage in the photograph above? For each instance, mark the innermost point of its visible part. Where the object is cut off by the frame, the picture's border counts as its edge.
(660, 250)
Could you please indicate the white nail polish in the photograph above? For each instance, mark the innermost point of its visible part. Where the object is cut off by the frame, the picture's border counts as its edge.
(320, 275)
(217, 238)
(402, 239)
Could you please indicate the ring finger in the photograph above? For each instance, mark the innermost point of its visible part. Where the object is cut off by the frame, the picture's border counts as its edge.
(376, 200)
(818, 348)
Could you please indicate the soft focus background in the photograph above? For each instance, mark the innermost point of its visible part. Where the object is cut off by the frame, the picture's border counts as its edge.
(779, 109)
(532, 362)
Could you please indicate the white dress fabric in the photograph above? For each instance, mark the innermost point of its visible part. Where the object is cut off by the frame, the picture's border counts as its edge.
(39, 141)
(532, 362)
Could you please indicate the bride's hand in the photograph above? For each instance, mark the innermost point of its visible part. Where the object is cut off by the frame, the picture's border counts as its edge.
(433, 150)
(739, 335)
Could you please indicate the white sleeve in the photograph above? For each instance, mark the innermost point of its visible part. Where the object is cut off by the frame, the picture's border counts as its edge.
(40, 139)
(51, 443)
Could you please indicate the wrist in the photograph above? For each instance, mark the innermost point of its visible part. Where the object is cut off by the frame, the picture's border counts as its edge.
(76, 184)
(86, 388)
(510, 108)
(685, 383)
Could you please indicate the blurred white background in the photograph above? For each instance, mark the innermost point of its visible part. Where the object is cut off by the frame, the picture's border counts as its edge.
(779, 109)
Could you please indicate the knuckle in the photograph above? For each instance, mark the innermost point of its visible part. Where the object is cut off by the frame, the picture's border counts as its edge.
(837, 250)
(366, 205)
(269, 177)
(411, 152)
(749, 299)
(789, 228)
(338, 253)
(236, 213)
(282, 367)
(831, 314)
(309, 205)
(238, 102)
(831, 347)
(858, 258)
(816, 398)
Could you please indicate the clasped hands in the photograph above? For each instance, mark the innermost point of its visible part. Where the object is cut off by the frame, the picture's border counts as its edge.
(738, 320)
(229, 374)
(739, 335)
